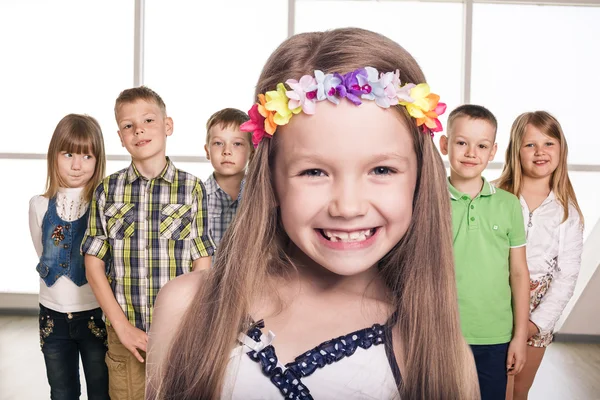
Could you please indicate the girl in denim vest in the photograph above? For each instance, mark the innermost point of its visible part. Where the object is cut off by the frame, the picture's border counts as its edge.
(70, 318)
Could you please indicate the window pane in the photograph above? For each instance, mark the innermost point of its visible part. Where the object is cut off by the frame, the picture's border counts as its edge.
(547, 59)
(64, 56)
(205, 56)
(434, 40)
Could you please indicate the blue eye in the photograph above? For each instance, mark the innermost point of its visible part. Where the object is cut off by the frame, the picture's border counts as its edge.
(312, 172)
(382, 171)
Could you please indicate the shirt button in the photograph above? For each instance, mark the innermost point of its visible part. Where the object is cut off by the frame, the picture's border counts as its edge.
(465, 197)
(66, 246)
(67, 226)
(472, 218)
(148, 247)
(472, 207)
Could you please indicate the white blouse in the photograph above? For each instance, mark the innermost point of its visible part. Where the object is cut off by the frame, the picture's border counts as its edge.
(64, 296)
(553, 257)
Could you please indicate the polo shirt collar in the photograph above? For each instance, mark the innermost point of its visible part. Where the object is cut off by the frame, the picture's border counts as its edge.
(168, 173)
(487, 189)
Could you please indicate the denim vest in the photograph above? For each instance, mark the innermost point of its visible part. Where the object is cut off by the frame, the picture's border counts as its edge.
(61, 242)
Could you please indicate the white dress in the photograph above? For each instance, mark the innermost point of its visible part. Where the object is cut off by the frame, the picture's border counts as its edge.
(360, 365)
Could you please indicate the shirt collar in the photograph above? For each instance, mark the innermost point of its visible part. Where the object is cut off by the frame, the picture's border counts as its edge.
(551, 197)
(168, 173)
(212, 186)
(487, 189)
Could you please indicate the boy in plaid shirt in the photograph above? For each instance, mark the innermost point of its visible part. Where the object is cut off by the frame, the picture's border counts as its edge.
(148, 223)
(229, 150)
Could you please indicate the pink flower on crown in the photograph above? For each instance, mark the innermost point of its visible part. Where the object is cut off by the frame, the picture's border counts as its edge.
(261, 122)
(303, 94)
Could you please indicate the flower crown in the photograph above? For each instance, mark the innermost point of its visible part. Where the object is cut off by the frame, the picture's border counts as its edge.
(276, 107)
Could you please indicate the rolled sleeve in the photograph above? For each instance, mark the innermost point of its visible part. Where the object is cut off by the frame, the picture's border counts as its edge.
(95, 242)
(202, 243)
(562, 287)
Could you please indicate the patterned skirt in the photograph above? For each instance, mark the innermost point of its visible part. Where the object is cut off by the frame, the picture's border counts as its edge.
(537, 291)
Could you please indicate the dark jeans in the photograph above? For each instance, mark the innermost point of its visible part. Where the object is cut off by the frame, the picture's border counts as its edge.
(65, 336)
(490, 361)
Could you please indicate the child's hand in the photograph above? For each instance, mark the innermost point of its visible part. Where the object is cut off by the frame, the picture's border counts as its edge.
(133, 338)
(532, 329)
(517, 355)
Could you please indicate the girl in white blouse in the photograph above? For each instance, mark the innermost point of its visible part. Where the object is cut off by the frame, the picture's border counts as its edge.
(70, 319)
(536, 172)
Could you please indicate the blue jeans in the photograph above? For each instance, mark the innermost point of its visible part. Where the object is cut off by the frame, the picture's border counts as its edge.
(65, 336)
(490, 361)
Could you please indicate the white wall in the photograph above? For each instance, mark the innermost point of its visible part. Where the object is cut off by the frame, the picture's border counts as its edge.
(582, 315)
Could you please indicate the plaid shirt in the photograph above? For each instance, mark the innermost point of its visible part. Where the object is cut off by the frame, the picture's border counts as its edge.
(221, 208)
(148, 232)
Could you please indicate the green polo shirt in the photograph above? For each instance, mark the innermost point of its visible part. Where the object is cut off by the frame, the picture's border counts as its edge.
(485, 229)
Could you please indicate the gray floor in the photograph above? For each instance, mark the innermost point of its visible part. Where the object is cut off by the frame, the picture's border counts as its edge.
(569, 371)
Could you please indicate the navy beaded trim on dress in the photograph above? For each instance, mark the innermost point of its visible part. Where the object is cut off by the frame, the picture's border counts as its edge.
(288, 380)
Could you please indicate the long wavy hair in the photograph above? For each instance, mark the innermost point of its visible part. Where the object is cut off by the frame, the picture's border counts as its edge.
(511, 178)
(418, 271)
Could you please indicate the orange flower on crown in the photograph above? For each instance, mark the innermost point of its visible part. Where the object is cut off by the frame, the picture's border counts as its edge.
(270, 125)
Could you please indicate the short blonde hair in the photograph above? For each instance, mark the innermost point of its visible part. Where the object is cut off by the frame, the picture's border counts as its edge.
(132, 95)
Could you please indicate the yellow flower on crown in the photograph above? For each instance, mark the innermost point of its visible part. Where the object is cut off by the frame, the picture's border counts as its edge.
(277, 101)
(425, 107)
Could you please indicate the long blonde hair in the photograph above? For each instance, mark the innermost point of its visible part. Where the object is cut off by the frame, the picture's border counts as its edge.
(78, 134)
(418, 271)
(511, 178)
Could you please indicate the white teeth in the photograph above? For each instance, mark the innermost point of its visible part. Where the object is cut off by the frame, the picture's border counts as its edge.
(355, 236)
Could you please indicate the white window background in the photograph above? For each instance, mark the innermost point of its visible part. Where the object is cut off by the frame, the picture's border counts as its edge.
(435, 41)
(204, 56)
(66, 56)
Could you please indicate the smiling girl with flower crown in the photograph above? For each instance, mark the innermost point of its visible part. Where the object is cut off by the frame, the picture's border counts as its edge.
(336, 280)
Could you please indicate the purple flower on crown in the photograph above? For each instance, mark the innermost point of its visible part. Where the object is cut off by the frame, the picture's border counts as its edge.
(354, 85)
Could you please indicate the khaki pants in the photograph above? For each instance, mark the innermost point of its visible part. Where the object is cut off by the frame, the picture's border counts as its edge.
(126, 375)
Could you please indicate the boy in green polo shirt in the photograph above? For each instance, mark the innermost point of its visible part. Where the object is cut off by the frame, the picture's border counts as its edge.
(489, 249)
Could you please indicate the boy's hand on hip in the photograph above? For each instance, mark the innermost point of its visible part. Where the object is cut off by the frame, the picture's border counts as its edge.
(517, 355)
(133, 339)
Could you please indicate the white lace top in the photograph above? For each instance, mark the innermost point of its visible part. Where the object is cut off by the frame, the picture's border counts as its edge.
(64, 296)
